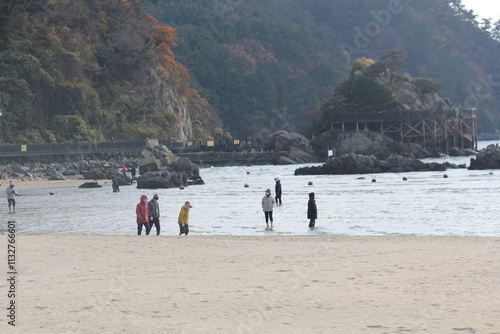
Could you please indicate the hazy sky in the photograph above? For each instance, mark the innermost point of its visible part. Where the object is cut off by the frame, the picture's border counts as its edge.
(484, 8)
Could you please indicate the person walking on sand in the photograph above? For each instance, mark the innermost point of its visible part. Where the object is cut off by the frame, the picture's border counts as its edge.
(184, 218)
(278, 190)
(141, 210)
(312, 210)
(154, 214)
(267, 206)
(11, 196)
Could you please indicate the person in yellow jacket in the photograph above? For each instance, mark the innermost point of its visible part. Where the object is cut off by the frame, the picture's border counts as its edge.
(184, 218)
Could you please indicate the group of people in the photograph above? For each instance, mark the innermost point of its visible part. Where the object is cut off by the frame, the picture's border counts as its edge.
(268, 202)
(148, 215)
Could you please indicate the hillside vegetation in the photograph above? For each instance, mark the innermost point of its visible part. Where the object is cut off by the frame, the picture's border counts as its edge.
(91, 70)
(265, 64)
(96, 69)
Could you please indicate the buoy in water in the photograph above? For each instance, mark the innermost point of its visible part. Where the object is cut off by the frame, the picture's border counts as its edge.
(445, 176)
(23, 179)
(309, 183)
(248, 172)
(51, 193)
(373, 180)
(405, 179)
(181, 187)
(246, 185)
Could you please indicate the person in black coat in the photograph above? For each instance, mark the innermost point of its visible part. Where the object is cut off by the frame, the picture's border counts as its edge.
(277, 190)
(312, 210)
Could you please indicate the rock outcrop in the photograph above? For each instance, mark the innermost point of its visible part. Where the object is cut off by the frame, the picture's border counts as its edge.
(159, 168)
(363, 164)
(366, 143)
(488, 158)
(292, 148)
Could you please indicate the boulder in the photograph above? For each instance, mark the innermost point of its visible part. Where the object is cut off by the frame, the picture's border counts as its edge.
(283, 141)
(282, 160)
(488, 158)
(97, 174)
(56, 177)
(298, 155)
(90, 185)
(149, 164)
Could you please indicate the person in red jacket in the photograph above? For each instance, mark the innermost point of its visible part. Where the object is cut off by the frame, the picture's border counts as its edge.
(141, 210)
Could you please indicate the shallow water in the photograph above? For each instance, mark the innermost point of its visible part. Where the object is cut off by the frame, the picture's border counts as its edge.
(464, 204)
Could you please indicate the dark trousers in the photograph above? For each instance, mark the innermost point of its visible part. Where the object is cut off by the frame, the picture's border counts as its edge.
(278, 199)
(139, 228)
(156, 223)
(184, 228)
(312, 222)
(269, 216)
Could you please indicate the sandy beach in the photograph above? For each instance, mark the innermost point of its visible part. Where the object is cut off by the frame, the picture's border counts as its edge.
(46, 184)
(274, 284)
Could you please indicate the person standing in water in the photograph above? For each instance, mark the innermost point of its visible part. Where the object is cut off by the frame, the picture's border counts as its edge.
(154, 214)
(267, 206)
(184, 218)
(312, 210)
(278, 190)
(11, 196)
(141, 210)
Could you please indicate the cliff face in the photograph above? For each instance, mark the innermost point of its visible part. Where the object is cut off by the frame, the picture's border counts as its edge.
(100, 64)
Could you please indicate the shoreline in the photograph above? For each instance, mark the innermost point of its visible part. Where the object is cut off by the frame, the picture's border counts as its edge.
(49, 184)
(250, 284)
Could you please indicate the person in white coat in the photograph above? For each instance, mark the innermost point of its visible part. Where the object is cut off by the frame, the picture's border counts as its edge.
(267, 206)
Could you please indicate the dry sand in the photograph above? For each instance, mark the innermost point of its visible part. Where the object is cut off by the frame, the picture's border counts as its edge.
(228, 284)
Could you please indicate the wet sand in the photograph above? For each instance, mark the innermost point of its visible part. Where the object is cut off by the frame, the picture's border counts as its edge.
(273, 284)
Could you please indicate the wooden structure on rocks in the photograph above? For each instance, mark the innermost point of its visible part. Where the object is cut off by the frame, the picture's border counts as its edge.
(436, 130)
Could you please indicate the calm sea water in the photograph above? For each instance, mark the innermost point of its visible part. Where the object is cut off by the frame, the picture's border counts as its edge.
(464, 204)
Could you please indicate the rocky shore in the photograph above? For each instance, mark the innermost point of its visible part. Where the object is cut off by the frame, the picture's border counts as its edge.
(488, 158)
(352, 163)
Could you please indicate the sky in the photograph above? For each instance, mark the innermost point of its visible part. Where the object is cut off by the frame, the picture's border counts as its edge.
(484, 8)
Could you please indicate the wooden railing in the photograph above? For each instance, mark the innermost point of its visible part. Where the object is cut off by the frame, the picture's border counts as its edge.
(128, 147)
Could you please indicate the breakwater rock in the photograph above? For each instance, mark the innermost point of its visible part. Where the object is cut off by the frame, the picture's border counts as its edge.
(87, 169)
(352, 163)
(488, 158)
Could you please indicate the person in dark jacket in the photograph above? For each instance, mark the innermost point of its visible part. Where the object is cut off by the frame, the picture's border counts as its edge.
(277, 190)
(154, 214)
(115, 185)
(312, 210)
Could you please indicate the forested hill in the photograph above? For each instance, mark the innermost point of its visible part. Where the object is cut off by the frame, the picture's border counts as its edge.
(75, 70)
(266, 64)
